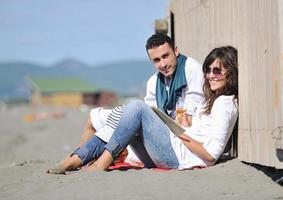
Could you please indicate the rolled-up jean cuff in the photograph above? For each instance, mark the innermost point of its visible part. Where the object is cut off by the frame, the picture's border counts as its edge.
(82, 152)
(114, 148)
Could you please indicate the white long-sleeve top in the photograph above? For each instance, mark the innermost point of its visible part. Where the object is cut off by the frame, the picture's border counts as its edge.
(213, 131)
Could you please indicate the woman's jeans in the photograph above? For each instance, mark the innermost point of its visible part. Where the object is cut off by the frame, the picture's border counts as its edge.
(148, 136)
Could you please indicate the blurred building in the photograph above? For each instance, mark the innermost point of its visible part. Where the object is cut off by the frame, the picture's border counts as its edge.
(71, 92)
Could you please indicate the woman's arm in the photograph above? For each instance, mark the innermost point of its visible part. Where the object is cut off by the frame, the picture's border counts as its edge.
(196, 147)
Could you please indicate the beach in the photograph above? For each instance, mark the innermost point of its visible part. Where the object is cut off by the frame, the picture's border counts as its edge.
(36, 139)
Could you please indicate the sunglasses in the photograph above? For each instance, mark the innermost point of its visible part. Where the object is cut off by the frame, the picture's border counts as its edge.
(217, 71)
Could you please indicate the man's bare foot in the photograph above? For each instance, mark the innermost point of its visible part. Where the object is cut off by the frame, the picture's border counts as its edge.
(94, 167)
(57, 170)
(68, 163)
(102, 163)
(66, 159)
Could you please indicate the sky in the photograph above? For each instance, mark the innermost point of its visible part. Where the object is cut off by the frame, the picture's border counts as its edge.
(91, 31)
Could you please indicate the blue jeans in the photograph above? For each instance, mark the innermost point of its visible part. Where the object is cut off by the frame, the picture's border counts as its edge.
(149, 137)
(91, 150)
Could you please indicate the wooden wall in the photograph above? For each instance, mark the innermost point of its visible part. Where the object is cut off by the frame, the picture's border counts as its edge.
(254, 27)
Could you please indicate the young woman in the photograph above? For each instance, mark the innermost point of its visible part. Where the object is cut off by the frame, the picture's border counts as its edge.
(202, 143)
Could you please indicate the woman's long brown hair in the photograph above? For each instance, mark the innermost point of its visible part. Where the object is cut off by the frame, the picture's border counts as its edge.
(227, 56)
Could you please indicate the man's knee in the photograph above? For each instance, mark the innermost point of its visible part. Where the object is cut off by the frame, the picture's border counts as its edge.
(136, 104)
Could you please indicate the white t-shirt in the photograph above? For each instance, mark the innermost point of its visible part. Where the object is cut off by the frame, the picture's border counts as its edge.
(213, 131)
(105, 121)
(98, 117)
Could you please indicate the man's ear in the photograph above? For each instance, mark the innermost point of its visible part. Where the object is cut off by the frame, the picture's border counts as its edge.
(176, 51)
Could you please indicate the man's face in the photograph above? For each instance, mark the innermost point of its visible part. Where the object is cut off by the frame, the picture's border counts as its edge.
(164, 59)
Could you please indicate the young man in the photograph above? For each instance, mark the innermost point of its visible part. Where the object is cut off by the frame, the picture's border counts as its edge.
(178, 78)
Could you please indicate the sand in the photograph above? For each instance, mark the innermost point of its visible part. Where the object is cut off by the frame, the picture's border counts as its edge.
(29, 148)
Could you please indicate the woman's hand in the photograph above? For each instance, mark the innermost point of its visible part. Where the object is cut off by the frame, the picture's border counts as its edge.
(184, 120)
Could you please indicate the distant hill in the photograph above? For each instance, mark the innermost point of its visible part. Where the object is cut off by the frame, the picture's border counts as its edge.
(125, 78)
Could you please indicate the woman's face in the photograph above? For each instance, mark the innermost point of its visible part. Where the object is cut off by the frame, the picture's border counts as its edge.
(216, 75)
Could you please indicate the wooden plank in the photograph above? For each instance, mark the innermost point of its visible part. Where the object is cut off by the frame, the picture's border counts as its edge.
(244, 135)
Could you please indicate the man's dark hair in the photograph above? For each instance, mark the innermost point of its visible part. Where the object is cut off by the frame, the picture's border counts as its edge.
(157, 40)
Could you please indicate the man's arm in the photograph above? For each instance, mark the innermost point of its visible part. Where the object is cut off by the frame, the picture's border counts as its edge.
(150, 97)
